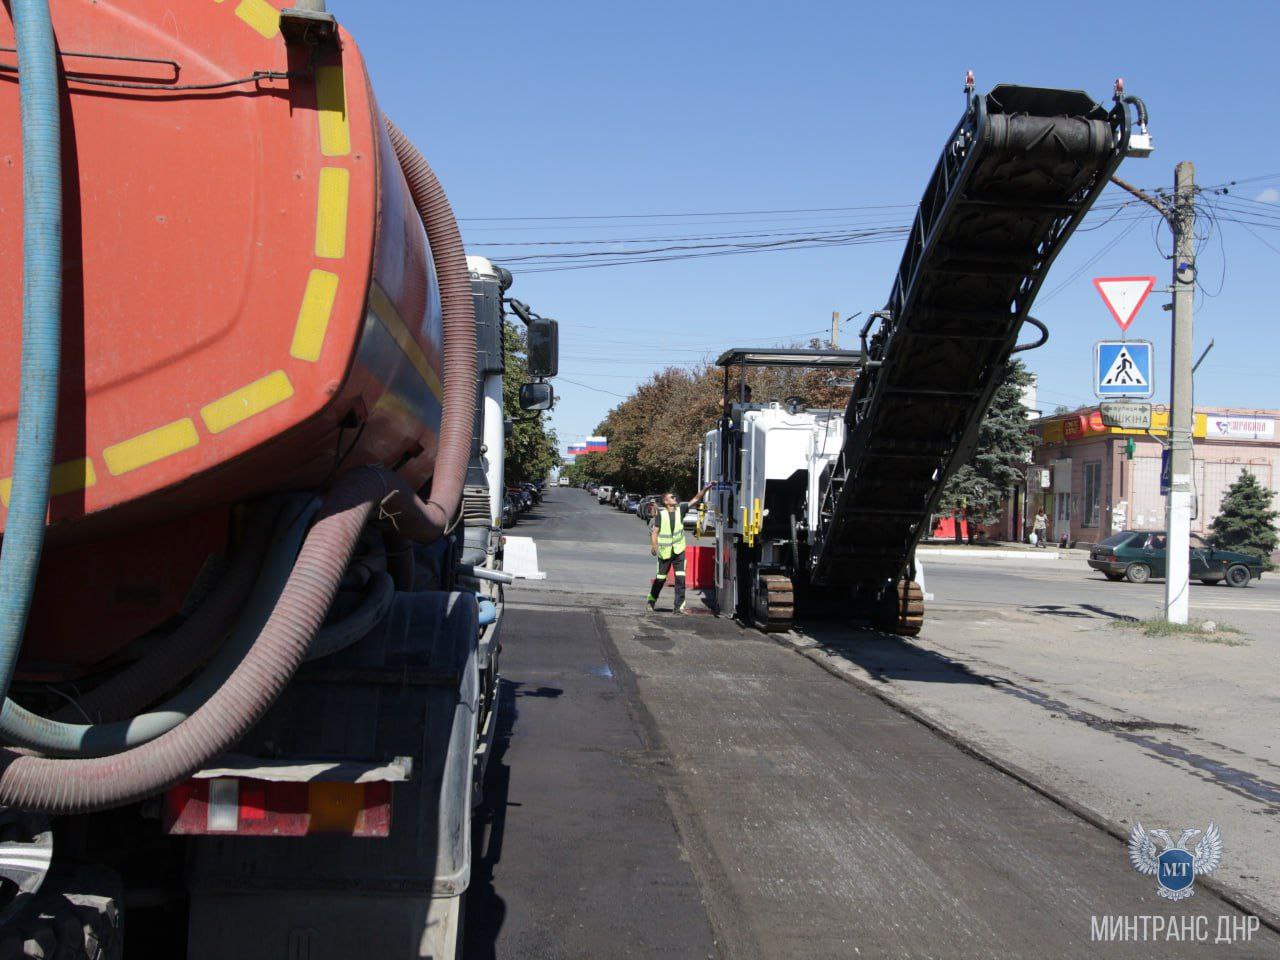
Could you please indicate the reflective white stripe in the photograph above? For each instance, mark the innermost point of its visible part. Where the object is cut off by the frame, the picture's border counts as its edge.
(670, 530)
(224, 804)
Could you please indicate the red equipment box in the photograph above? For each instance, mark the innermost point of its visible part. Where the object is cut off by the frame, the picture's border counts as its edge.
(699, 568)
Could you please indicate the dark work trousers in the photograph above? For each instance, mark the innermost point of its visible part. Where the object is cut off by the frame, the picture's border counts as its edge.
(663, 566)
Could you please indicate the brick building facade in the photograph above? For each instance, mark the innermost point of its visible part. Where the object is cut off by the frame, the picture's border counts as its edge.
(1091, 488)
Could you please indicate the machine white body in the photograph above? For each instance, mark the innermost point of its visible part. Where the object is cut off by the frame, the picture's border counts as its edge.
(767, 470)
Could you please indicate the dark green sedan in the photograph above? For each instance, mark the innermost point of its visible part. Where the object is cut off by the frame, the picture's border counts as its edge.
(1139, 555)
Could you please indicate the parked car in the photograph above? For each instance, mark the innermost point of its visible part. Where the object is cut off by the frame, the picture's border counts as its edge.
(1139, 555)
(647, 507)
(602, 493)
(522, 497)
(631, 502)
(563, 482)
(509, 511)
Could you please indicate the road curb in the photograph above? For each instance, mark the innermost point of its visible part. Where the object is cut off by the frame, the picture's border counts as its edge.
(981, 553)
(843, 669)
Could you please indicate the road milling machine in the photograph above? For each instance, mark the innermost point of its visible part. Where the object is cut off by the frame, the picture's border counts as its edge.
(819, 512)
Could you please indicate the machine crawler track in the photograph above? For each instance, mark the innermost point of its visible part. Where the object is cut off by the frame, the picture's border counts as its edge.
(775, 604)
(910, 602)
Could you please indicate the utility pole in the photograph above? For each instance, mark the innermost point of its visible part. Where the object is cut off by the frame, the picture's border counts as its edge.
(1181, 411)
(835, 330)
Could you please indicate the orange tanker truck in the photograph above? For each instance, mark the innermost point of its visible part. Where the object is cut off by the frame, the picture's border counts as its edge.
(248, 638)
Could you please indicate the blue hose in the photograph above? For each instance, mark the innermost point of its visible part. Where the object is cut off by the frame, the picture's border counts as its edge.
(41, 323)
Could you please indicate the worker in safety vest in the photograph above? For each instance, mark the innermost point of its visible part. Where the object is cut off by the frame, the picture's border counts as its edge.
(666, 538)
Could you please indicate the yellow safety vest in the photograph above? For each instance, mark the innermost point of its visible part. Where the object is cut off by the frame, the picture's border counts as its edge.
(670, 532)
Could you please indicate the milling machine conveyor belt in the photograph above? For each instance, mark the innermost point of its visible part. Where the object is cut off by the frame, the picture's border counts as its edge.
(1022, 168)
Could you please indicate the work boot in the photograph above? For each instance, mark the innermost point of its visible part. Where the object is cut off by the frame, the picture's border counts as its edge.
(650, 606)
(682, 607)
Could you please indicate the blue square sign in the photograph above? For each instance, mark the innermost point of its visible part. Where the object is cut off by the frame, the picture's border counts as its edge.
(1123, 368)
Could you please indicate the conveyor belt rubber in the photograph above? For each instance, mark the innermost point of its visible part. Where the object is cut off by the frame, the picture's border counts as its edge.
(1022, 168)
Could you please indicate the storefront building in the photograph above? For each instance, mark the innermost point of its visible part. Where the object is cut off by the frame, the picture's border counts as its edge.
(1094, 480)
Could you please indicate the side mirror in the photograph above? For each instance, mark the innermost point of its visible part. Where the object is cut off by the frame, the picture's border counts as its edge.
(536, 396)
(544, 349)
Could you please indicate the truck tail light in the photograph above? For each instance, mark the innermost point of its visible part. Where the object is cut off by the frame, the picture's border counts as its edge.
(244, 807)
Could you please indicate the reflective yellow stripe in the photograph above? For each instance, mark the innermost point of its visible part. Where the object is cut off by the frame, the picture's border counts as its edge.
(64, 478)
(331, 212)
(331, 100)
(248, 401)
(151, 446)
(313, 316)
(261, 16)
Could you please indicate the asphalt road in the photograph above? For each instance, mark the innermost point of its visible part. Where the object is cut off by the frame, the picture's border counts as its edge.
(682, 787)
(1068, 584)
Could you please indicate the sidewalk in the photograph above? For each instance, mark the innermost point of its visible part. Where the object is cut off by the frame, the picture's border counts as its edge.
(1171, 731)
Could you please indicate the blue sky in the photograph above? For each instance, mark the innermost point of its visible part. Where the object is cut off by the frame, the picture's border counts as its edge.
(625, 111)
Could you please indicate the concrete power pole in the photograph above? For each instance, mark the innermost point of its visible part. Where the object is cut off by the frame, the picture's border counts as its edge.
(1181, 409)
(835, 330)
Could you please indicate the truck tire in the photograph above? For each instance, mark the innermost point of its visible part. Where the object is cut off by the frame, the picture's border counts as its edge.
(75, 916)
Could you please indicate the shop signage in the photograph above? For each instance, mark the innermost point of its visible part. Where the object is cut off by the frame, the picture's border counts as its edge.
(1240, 428)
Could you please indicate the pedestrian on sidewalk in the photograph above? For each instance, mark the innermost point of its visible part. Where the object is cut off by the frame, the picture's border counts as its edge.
(1040, 528)
(667, 543)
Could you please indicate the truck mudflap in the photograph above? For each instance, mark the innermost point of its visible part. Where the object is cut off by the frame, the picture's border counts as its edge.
(409, 690)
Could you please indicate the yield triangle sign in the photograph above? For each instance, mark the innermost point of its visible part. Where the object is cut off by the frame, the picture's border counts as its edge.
(1124, 296)
(1124, 372)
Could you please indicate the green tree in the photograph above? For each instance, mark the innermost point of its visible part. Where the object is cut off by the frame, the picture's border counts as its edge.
(531, 449)
(582, 468)
(982, 485)
(655, 434)
(1246, 521)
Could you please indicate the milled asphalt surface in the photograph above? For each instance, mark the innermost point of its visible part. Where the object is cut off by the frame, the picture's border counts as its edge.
(681, 787)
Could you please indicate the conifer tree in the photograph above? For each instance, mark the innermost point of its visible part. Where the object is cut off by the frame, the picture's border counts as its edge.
(1246, 521)
(999, 461)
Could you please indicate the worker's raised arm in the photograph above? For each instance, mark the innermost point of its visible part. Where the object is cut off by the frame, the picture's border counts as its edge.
(699, 495)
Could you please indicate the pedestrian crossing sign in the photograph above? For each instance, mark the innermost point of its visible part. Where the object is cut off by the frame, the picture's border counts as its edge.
(1123, 368)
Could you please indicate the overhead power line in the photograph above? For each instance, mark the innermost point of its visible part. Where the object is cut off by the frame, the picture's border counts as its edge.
(705, 213)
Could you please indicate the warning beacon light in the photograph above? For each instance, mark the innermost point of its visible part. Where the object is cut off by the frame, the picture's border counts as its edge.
(1140, 144)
